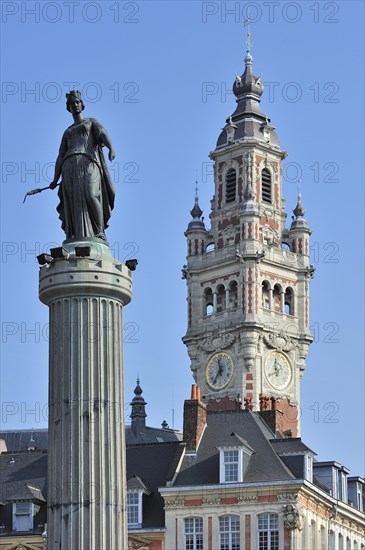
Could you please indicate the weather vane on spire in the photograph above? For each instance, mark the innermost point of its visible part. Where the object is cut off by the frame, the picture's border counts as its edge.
(196, 187)
(299, 188)
(247, 23)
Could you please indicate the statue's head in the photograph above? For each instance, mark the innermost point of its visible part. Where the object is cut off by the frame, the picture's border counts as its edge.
(71, 96)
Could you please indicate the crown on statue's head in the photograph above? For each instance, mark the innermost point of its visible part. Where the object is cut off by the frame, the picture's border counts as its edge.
(74, 94)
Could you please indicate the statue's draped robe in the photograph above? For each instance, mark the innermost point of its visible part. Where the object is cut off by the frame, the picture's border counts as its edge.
(86, 193)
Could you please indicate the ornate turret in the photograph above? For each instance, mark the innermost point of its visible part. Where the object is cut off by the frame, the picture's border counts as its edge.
(196, 231)
(138, 414)
(299, 230)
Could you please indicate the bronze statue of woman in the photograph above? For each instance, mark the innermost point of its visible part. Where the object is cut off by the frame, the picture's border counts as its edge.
(86, 192)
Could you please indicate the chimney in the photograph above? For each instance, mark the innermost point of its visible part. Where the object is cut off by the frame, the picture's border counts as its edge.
(195, 419)
(280, 415)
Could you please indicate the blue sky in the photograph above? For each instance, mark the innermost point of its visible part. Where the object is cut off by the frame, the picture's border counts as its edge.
(159, 76)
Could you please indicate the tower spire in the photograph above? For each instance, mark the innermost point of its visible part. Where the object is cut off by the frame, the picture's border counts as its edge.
(138, 414)
(299, 210)
(196, 213)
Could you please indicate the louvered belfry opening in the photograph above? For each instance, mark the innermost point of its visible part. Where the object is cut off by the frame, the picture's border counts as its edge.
(231, 185)
(266, 185)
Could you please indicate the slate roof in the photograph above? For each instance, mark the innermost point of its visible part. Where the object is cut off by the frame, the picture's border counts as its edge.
(23, 476)
(155, 464)
(291, 445)
(264, 464)
(18, 440)
(151, 435)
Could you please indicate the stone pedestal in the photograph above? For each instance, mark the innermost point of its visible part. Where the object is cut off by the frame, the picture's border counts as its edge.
(86, 457)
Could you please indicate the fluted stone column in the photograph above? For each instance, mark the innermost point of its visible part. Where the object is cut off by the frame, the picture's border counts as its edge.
(86, 457)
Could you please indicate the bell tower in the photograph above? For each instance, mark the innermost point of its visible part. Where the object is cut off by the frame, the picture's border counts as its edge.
(248, 275)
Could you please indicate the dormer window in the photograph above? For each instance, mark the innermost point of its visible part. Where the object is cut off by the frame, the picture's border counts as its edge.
(136, 490)
(266, 191)
(231, 464)
(134, 509)
(231, 185)
(23, 516)
(309, 468)
(234, 462)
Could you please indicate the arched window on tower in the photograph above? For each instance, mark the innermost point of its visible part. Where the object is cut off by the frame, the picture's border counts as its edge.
(221, 298)
(231, 185)
(233, 295)
(265, 295)
(289, 301)
(266, 191)
(208, 302)
(277, 298)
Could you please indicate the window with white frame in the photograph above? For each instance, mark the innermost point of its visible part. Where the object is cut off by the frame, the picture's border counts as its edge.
(229, 533)
(334, 483)
(22, 516)
(268, 531)
(359, 497)
(134, 508)
(193, 533)
(343, 487)
(231, 463)
(309, 467)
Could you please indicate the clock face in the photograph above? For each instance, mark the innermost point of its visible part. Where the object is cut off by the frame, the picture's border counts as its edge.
(277, 370)
(219, 370)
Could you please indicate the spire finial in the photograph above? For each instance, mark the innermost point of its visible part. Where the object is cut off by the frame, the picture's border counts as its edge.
(196, 188)
(196, 212)
(299, 210)
(246, 23)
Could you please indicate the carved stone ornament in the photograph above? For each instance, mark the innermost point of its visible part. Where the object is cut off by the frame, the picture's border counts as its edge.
(280, 341)
(247, 498)
(292, 517)
(138, 543)
(216, 342)
(174, 502)
(287, 496)
(212, 501)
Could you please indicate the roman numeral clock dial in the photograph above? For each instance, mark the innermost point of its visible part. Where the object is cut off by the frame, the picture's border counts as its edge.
(219, 370)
